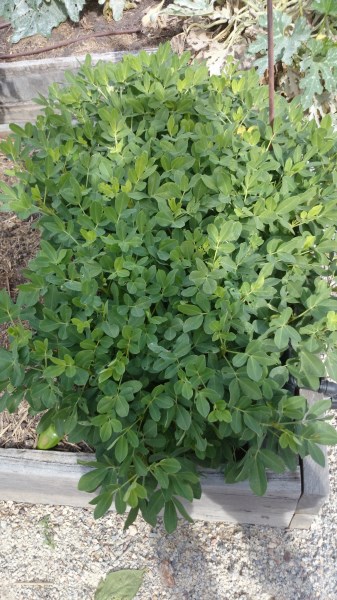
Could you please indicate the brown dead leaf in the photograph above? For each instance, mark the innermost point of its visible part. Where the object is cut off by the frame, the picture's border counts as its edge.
(197, 40)
(166, 573)
(289, 83)
(216, 58)
(151, 18)
(178, 43)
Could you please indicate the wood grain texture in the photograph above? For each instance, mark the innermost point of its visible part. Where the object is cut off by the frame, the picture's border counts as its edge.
(4, 130)
(315, 483)
(50, 477)
(22, 81)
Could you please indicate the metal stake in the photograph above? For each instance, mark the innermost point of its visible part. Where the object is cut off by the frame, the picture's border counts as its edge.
(271, 65)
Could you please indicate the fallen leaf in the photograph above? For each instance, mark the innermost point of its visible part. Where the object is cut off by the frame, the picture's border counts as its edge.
(178, 43)
(166, 573)
(151, 18)
(120, 585)
(198, 39)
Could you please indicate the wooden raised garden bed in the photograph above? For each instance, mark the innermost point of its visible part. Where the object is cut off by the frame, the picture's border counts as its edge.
(51, 477)
(24, 80)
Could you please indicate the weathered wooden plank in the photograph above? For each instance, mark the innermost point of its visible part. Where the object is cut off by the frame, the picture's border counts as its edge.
(51, 478)
(22, 81)
(18, 112)
(4, 130)
(41, 477)
(315, 483)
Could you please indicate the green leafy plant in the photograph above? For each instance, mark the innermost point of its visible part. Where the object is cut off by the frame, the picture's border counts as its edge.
(325, 7)
(312, 61)
(288, 39)
(47, 531)
(30, 17)
(319, 67)
(185, 246)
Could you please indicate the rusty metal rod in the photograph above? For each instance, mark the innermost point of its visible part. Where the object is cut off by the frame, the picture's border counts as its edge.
(271, 65)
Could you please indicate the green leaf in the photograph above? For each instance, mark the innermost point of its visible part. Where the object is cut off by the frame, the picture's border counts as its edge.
(325, 7)
(162, 478)
(119, 502)
(254, 369)
(331, 366)
(320, 407)
(121, 448)
(183, 418)
(140, 466)
(287, 39)
(29, 18)
(272, 461)
(92, 480)
(132, 516)
(54, 371)
(293, 407)
(320, 433)
(317, 68)
(110, 330)
(193, 323)
(170, 465)
(202, 405)
(6, 362)
(281, 337)
(103, 504)
(120, 585)
(153, 507)
(257, 478)
(189, 309)
(280, 375)
(252, 423)
(311, 364)
(209, 286)
(170, 516)
(250, 389)
(182, 510)
(105, 431)
(316, 453)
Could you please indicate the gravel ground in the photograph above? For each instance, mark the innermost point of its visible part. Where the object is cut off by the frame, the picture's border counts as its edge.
(61, 553)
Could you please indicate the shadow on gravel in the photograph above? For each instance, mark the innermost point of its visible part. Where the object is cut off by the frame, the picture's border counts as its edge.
(206, 561)
(220, 561)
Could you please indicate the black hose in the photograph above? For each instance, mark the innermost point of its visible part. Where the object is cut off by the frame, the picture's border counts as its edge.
(327, 388)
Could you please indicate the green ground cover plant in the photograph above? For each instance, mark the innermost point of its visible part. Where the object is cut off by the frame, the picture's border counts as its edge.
(186, 270)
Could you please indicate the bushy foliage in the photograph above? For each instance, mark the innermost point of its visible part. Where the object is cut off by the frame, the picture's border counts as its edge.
(186, 269)
(309, 62)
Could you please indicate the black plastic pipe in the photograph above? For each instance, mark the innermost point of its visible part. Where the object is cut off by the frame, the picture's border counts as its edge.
(326, 387)
(329, 389)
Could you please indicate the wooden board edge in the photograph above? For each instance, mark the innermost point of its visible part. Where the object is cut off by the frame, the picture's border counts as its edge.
(36, 476)
(22, 81)
(68, 62)
(4, 130)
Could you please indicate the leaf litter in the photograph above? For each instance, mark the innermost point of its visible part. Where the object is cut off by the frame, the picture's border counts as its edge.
(120, 585)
